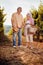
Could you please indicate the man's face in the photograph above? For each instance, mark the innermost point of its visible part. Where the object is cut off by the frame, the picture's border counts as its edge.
(20, 10)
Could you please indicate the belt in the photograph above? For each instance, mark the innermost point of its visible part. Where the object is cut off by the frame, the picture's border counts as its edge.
(28, 23)
(19, 28)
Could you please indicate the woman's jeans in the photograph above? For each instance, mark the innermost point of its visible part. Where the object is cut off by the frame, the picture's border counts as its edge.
(19, 33)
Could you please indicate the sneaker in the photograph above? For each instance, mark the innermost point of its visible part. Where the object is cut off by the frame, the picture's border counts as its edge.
(14, 46)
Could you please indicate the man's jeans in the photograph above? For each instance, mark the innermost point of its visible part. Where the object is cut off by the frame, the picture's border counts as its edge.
(19, 37)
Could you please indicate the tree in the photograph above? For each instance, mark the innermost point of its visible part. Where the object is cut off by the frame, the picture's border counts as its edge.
(38, 19)
(2, 20)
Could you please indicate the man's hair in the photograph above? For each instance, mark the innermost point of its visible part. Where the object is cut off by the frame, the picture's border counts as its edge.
(19, 8)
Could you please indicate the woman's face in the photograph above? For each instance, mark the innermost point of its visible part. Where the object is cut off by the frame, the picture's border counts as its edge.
(28, 17)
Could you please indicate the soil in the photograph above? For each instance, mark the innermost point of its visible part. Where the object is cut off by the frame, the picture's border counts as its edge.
(23, 55)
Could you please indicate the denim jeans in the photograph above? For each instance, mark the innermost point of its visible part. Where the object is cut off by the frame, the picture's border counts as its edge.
(19, 33)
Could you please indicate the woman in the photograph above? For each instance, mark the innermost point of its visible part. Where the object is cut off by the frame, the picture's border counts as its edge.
(29, 23)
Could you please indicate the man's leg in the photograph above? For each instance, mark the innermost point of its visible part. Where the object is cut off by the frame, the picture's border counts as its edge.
(14, 39)
(19, 37)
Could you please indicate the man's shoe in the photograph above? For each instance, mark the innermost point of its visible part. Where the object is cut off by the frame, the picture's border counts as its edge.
(14, 46)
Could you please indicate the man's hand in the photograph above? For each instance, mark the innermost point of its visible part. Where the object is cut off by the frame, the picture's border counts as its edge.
(15, 29)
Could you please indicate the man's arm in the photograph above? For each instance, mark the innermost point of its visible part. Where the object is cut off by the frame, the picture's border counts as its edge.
(14, 23)
(12, 20)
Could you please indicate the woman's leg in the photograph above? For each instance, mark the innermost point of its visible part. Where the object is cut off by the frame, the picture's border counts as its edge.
(27, 37)
(31, 37)
(31, 41)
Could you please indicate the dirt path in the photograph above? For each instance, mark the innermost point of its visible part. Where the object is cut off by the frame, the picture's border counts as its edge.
(20, 56)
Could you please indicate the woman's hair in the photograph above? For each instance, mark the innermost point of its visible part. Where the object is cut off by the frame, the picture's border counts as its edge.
(29, 14)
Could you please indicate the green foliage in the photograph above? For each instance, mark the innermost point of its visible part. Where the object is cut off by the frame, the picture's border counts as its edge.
(38, 18)
(2, 19)
(34, 13)
(10, 32)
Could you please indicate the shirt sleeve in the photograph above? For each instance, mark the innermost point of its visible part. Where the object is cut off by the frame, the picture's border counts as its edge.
(13, 20)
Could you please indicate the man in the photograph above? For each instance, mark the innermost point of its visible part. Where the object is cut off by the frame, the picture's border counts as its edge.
(17, 23)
